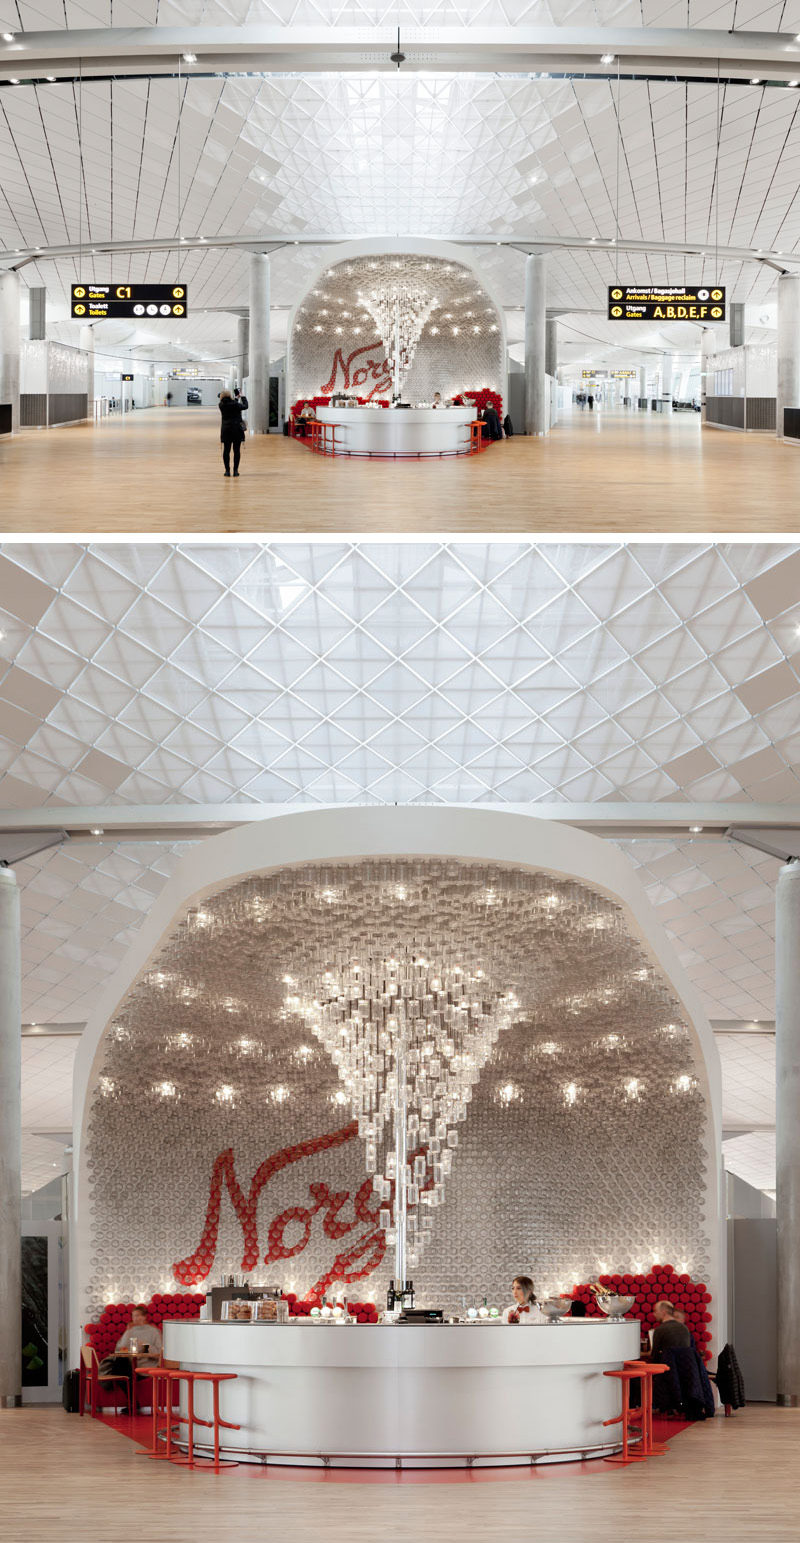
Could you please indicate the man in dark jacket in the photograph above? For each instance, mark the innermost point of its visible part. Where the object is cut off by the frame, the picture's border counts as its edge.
(231, 431)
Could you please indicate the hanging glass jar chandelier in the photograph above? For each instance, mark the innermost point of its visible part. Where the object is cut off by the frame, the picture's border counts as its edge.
(409, 1038)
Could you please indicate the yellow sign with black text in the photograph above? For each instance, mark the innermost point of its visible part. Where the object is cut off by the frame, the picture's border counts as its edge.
(101, 302)
(678, 302)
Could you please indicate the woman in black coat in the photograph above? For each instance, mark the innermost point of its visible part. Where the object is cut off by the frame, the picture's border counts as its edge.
(231, 431)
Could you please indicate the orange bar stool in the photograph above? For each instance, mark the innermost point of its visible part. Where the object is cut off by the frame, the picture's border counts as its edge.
(217, 1422)
(475, 437)
(162, 1378)
(647, 1371)
(626, 1376)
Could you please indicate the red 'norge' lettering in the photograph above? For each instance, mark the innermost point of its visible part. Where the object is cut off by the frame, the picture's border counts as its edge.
(360, 1259)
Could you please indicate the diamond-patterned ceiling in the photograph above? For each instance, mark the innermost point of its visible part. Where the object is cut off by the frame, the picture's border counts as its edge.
(444, 155)
(300, 673)
(398, 672)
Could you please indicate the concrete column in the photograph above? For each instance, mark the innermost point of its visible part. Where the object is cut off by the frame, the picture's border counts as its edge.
(551, 346)
(708, 348)
(535, 338)
(666, 383)
(788, 345)
(643, 384)
(258, 416)
(37, 312)
(787, 1129)
(86, 342)
(9, 345)
(243, 348)
(10, 1144)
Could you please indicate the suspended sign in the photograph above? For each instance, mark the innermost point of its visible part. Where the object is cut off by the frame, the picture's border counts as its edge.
(127, 377)
(101, 302)
(625, 374)
(650, 302)
(593, 374)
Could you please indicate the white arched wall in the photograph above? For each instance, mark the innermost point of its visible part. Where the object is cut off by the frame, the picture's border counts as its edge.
(342, 835)
(377, 246)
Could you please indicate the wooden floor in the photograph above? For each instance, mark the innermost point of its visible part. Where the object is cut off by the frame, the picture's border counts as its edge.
(160, 471)
(730, 1481)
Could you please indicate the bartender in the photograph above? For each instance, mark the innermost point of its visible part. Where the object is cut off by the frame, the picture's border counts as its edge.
(524, 1308)
(437, 399)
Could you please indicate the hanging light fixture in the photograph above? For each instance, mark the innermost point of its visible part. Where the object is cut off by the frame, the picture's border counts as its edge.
(409, 1038)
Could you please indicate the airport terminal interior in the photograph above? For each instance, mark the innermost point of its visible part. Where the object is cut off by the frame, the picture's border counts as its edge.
(584, 217)
(399, 770)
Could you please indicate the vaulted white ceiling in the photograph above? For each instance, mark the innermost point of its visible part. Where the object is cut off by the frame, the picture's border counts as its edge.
(300, 673)
(416, 155)
(399, 672)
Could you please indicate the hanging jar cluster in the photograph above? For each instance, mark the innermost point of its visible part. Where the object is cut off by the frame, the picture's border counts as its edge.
(409, 1040)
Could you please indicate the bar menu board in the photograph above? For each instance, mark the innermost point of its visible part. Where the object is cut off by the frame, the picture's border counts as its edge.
(101, 302)
(678, 302)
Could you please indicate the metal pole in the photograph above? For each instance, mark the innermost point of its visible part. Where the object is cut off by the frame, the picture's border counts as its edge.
(400, 1157)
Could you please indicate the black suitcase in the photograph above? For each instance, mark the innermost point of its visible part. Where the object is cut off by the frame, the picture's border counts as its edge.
(70, 1392)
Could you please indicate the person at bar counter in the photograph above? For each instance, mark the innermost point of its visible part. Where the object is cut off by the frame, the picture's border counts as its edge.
(524, 1308)
(142, 1341)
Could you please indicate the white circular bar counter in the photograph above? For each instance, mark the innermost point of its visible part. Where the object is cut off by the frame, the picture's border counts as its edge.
(424, 1395)
(403, 431)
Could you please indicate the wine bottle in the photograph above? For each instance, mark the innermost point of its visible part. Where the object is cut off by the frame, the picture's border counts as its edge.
(390, 1298)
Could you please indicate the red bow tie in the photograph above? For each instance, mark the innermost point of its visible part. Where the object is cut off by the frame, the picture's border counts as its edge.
(523, 1309)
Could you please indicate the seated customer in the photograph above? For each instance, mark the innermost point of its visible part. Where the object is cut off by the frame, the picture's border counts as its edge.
(142, 1340)
(669, 1333)
(308, 415)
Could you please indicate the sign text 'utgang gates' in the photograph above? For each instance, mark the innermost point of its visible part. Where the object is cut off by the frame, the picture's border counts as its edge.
(678, 302)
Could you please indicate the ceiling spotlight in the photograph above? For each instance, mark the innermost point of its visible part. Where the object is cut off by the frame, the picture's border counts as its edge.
(190, 58)
(756, 80)
(12, 80)
(96, 830)
(8, 37)
(695, 829)
(50, 77)
(606, 58)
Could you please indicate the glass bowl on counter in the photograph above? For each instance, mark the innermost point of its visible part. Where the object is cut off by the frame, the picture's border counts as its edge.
(615, 1307)
(556, 1308)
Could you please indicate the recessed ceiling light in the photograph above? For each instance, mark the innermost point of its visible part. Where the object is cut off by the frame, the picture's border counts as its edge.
(13, 81)
(96, 830)
(606, 58)
(51, 77)
(695, 829)
(190, 58)
(8, 37)
(756, 80)
(794, 82)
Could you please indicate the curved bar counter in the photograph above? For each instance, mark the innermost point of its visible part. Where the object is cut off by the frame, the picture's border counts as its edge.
(392, 431)
(424, 1395)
